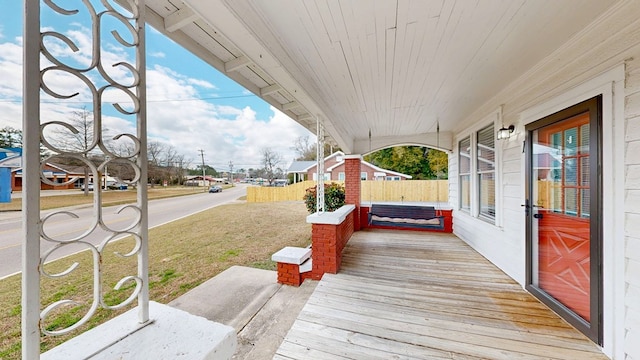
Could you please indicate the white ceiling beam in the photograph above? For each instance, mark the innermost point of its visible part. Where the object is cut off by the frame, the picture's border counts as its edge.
(237, 63)
(179, 19)
(305, 117)
(268, 90)
(290, 105)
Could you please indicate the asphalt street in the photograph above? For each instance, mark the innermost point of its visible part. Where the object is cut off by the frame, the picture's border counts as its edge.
(64, 227)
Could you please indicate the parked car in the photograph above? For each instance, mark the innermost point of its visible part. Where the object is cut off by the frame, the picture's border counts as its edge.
(89, 186)
(215, 189)
(118, 186)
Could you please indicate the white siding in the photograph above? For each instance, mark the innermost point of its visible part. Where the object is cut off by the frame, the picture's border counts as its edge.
(632, 209)
(612, 40)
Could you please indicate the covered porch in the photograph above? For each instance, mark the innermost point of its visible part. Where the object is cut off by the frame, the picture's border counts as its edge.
(417, 295)
(444, 74)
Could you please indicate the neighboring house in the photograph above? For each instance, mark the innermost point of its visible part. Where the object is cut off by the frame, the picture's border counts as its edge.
(196, 180)
(299, 170)
(334, 170)
(55, 173)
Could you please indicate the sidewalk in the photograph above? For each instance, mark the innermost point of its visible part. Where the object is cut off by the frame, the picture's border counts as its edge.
(253, 303)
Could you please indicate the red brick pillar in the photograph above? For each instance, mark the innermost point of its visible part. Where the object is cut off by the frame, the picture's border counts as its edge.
(352, 185)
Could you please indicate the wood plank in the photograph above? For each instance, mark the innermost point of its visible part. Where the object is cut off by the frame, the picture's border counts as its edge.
(473, 325)
(290, 350)
(375, 346)
(429, 335)
(478, 301)
(410, 335)
(411, 295)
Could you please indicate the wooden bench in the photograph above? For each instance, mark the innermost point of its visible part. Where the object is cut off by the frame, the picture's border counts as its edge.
(406, 216)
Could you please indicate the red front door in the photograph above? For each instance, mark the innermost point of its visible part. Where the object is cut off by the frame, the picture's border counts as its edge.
(563, 198)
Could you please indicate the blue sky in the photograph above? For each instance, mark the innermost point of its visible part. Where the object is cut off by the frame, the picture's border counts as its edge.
(191, 106)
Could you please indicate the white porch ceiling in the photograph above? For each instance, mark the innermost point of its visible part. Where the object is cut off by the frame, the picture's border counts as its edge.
(394, 68)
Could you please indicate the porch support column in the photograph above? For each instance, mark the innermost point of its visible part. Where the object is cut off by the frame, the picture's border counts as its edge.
(31, 182)
(352, 184)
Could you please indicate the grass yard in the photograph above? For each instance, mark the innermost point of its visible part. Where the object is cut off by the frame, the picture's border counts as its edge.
(109, 197)
(182, 255)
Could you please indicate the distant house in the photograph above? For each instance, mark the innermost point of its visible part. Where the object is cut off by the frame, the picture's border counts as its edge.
(334, 170)
(197, 180)
(56, 173)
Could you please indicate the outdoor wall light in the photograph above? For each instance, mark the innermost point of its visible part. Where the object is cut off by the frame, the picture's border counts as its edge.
(505, 132)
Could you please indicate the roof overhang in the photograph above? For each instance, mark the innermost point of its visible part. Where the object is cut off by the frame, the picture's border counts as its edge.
(377, 73)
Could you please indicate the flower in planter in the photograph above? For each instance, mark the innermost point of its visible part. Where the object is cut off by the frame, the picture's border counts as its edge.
(333, 197)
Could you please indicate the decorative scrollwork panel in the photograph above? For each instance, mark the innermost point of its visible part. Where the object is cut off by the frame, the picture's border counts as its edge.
(87, 80)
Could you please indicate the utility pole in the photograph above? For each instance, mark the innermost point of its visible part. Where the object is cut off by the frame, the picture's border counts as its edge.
(231, 172)
(203, 172)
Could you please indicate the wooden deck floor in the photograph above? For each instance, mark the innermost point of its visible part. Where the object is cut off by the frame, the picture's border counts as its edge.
(410, 295)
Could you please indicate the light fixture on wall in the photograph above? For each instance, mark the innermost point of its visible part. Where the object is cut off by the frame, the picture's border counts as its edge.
(505, 132)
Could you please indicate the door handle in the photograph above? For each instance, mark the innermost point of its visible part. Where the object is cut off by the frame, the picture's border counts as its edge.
(537, 216)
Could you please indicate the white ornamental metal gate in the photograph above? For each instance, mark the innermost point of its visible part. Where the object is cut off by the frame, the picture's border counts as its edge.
(43, 65)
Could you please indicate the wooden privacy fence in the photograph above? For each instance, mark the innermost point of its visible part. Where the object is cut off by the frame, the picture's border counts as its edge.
(406, 190)
(293, 192)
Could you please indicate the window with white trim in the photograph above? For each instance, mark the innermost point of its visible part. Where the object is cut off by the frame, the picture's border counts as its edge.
(327, 176)
(464, 173)
(486, 172)
(341, 176)
(477, 173)
(363, 175)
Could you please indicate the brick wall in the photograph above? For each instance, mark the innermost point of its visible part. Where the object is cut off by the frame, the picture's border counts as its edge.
(289, 274)
(327, 242)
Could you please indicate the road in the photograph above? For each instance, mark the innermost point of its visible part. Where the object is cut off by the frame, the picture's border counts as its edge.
(63, 227)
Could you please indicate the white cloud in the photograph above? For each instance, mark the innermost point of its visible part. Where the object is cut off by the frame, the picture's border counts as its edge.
(201, 83)
(157, 54)
(226, 133)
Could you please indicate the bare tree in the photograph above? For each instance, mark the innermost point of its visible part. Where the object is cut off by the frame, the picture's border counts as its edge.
(154, 158)
(80, 142)
(165, 163)
(304, 148)
(82, 121)
(180, 165)
(307, 151)
(271, 161)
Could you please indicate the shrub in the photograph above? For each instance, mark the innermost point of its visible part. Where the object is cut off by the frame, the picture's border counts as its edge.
(333, 197)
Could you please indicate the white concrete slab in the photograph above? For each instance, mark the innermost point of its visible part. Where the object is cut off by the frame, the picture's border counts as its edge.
(261, 337)
(292, 255)
(171, 334)
(232, 297)
(331, 218)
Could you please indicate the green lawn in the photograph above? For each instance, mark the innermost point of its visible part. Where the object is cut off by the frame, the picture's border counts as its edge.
(182, 255)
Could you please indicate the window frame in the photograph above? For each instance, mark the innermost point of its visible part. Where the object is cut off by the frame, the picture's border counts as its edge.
(479, 172)
(494, 120)
(465, 174)
(365, 177)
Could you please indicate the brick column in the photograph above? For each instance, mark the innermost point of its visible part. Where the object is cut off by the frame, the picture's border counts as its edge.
(328, 241)
(352, 183)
